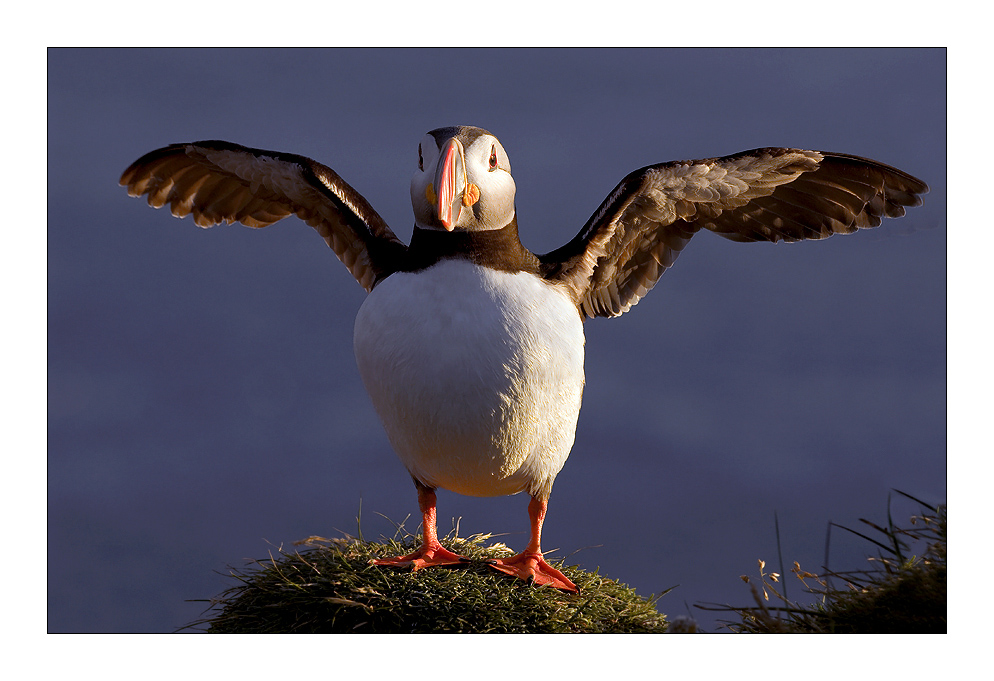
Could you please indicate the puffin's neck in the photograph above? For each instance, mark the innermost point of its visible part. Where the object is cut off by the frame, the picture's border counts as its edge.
(498, 249)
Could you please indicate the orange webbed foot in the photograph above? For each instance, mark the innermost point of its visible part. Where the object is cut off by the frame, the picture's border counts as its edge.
(427, 556)
(531, 566)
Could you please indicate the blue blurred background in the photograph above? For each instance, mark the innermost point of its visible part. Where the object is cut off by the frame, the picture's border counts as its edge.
(205, 408)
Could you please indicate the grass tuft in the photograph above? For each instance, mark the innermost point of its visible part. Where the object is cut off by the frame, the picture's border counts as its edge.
(328, 586)
(903, 592)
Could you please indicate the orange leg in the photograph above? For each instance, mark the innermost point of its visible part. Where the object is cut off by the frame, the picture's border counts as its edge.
(529, 564)
(431, 552)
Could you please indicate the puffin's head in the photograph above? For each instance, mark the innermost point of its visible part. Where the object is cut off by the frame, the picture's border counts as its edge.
(463, 181)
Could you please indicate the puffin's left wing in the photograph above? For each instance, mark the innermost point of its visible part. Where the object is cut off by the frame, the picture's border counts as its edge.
(766, 194)
(224, 182)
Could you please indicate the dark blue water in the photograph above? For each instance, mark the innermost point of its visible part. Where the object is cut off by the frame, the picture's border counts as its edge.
(204, 405)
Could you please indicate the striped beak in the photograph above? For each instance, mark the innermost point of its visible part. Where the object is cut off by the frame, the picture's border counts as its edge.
(451, 182)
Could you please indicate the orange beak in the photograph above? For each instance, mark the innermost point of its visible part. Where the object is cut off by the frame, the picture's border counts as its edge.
(450, 179)
(454, 189)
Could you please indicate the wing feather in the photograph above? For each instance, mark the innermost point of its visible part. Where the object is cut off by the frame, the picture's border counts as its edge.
(770, 194)
(220, 182)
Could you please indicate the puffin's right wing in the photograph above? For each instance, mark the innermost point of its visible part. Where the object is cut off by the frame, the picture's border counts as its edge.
(766, 194)
(223, 182)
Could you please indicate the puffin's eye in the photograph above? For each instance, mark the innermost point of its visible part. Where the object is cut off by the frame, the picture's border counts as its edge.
(493, 157)
(421, 159)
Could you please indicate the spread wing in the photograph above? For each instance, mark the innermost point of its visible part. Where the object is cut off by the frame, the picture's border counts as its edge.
(219, 182)
(760, 195)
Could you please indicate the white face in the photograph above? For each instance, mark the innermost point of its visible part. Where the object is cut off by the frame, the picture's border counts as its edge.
(478, 159)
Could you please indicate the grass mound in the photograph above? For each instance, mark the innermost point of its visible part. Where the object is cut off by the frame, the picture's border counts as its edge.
(328, 586)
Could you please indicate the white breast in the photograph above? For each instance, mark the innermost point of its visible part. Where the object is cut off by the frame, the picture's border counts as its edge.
(476, 374)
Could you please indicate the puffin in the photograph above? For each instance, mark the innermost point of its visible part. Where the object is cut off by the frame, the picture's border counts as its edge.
(469, 345)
